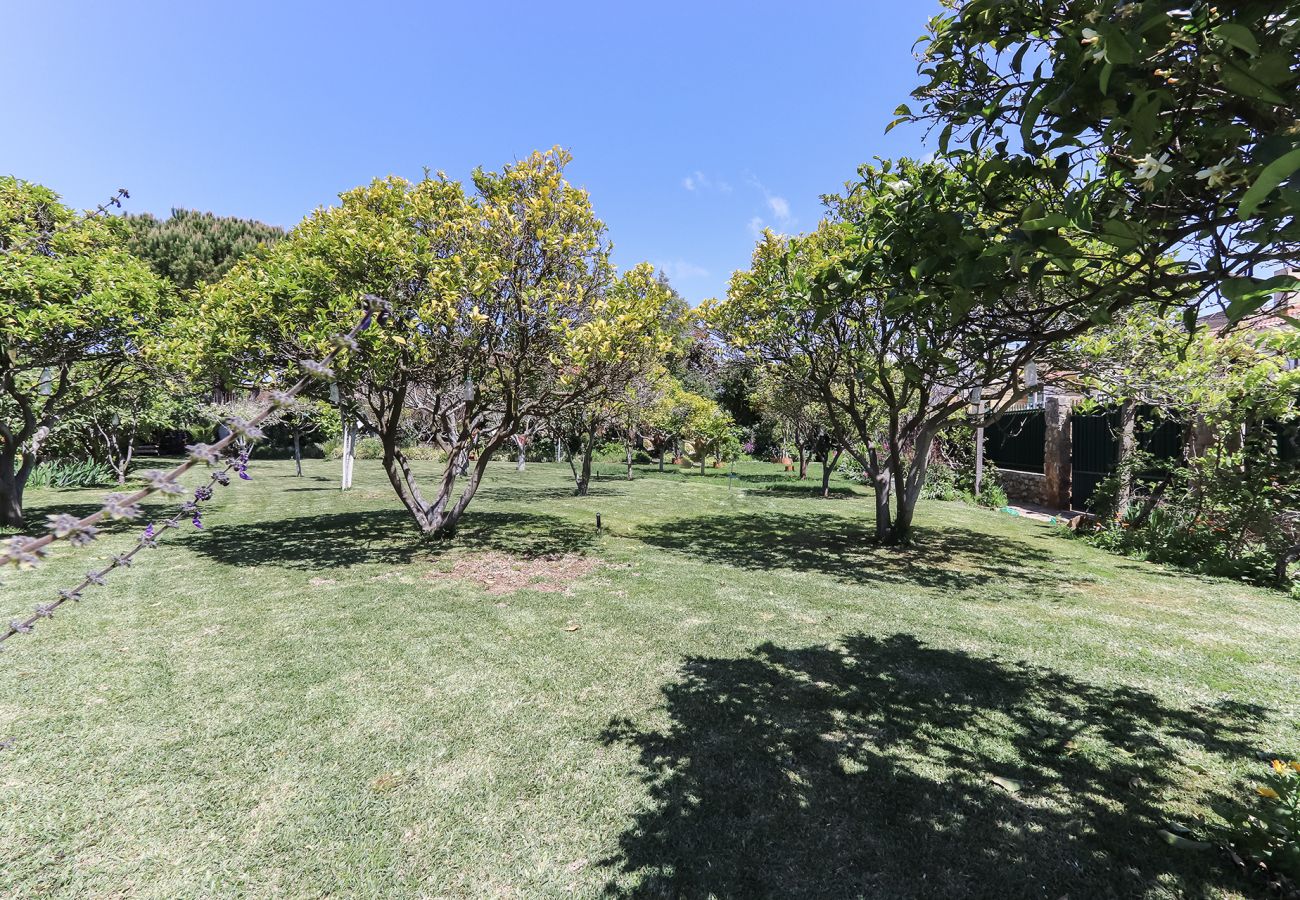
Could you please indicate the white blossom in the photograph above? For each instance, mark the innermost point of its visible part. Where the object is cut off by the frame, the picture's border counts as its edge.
(1217, 174)
(1149, 167)
(1097, 51)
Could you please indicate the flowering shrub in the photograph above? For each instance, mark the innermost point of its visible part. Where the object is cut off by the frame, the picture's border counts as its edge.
(1268, 836)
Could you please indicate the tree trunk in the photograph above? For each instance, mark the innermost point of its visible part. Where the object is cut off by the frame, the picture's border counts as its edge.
(1284, 562)
(297, 451)
(1152, 501)
(663, 448)
(702, 457)
(584, 479)
(440, 518)
(1127, 444)
(828, 466)
(803, 462)
(884, 519)
(12, 483)
(629, 462)
(520, 461)
(909, 481)
(349, 449)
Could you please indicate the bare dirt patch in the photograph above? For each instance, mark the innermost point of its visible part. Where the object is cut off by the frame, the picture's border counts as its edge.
(501, 573)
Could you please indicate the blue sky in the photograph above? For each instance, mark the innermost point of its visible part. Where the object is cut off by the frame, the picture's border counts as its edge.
(693, 125)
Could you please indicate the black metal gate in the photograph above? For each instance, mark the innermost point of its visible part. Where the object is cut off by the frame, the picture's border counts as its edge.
(1094, 450)
(1016, 440)
(1095, 447)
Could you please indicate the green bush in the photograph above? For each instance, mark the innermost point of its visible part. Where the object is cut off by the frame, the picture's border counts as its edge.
(371, 448)
(940, 483)
(66, 473)
(1269, 834)
(1223, 514)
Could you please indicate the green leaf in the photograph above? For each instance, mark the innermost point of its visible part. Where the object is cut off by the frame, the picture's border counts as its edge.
(1245, 84)
(1105, 77)
(1053, 220)
(1238, 36)
(1273, 175)
(1029, 119)
(1245, 295)
(1182, 843)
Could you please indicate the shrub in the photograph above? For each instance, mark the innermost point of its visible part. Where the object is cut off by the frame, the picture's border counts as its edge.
(1269, 834)
(1224, 513)
(371, 448)
(940, 483)
(65, 473)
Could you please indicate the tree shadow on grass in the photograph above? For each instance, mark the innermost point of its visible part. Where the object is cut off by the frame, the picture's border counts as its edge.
(48, 505)
(862, 769)
(805, 490)
(340, 540)
(507, 493)
(950, 557)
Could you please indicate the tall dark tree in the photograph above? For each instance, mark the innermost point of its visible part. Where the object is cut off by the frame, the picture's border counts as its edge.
(191, 248)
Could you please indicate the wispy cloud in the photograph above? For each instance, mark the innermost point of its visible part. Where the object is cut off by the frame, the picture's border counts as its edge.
(780, 207)
(756, 226)
(698, 181)
(681, 270)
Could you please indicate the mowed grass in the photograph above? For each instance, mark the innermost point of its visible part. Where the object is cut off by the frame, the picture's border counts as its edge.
(727, 692)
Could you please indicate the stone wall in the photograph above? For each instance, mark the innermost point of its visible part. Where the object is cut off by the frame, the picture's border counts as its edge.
(1024, 487)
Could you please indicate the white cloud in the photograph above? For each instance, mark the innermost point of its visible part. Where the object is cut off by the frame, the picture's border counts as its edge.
(756, 226)
(681, 270)
(698, 181)
(779, 206)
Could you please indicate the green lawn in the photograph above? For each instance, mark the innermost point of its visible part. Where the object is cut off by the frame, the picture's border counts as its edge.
(727, 692)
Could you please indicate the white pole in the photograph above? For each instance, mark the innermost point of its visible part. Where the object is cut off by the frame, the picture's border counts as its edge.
(349, 452)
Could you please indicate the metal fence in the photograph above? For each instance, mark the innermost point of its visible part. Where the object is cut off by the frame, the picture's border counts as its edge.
(1017, 440)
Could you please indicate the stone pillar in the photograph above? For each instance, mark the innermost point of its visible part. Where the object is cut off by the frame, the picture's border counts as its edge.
(1057, 467)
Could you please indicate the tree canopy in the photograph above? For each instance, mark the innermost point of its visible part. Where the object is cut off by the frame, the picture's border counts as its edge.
(191, 248)
(1171, 126)
(79, 317)
(503, 305)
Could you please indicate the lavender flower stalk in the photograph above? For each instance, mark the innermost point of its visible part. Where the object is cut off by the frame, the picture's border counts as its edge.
(20, 551)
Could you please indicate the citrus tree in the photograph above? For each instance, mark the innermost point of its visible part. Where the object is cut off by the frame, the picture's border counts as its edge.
(903, 308)
(1171, 126)
(78, 316)
(501, 307)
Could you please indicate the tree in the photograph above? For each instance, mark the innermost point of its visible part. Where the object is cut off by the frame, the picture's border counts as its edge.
(707, 430)
(900, 310)
(632, 388)
(192, 248)
(111, 427)
(502, 307)
(1171, 125)
(78, 313)
(1214, 384)
(662, 421)
(787, 399)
